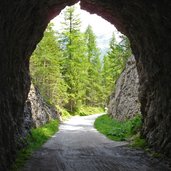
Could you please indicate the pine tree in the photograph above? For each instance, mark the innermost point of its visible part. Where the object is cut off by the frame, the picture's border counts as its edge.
(74, 66)
(67, 67)
(94, 87)
(114, 63)
(45, 69)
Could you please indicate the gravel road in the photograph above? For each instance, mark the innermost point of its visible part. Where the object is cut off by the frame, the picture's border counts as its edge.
(79, 147)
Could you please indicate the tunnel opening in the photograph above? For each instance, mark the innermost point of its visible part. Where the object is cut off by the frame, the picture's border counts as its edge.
(83, 60)
(51, 71)
(145, 24)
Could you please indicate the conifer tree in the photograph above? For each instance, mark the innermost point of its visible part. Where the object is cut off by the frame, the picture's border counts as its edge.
(45, 69)
(94, 87)
(74, 66)
(67, 69)
(114, 63)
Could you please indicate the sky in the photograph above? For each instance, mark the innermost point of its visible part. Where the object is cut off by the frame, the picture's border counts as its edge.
(102, 28)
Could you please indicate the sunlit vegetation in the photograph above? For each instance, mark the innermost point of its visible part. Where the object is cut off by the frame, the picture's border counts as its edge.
(72, 75)
(69, 71)
(35, 140)
(119, 130)
(88, 110)
(138, 142)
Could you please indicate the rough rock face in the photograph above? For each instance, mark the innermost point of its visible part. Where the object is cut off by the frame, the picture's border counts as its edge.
(26, 126)
(124, 101)
(36, 113)
(40, 110)
(146, 23)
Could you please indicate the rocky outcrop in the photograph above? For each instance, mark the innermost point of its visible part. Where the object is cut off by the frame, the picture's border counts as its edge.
(124, 101)
(36, 113)
(147, 25)
(41, 112)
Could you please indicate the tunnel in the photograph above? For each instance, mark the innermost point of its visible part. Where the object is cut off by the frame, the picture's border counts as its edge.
(147, 24)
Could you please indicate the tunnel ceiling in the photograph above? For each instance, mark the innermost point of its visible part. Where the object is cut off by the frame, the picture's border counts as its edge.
(146, 23)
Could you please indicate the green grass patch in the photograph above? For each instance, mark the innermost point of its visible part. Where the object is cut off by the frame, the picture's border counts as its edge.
(89, 110)
(117, 130)
(37, 138)
(138, 142)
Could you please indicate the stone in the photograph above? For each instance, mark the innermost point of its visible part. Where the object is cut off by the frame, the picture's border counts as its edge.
(147, 25)
(36, 113)
(124, 103)
(41, 112)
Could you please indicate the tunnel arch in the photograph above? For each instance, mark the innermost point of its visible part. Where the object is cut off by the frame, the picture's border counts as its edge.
(146, 24)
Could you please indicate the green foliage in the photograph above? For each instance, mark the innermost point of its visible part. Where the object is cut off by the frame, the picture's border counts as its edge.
(89, 110)
(65, 114)
(136, 124)
(35, 140)
(45, 69)
(114, 63)
(94, 89)
(156, 155)
(138, 142)
(67, 69)
(74, 62)
(117, 130)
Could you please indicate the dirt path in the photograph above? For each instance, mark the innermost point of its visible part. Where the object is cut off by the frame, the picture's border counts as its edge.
(79, 147)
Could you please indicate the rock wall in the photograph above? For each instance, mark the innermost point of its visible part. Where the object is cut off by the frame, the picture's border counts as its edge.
(146, 23)
(36, 113)
(124, 103)
(41, 112)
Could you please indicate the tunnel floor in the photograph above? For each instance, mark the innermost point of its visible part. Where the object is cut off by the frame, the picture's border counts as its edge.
(79, 147)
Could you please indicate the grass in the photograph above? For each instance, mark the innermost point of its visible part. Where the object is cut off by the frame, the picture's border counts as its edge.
(138, 142)
(117, 130)
(81, 111)
(37, 138)
(89, 110)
